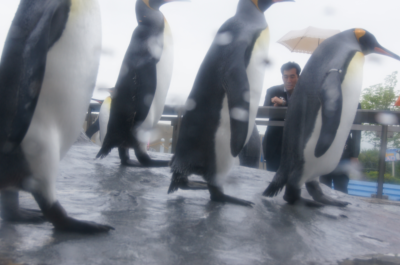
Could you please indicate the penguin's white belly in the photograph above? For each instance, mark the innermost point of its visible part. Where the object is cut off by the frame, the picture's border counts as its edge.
(255, 74)
(164, 73)
(351, 89)
(104, 116)
(69, 79)
(224, 158)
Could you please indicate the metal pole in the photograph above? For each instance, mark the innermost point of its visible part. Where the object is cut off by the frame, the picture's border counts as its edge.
(180, 111)
(174, 123)
(162, 145)
(393, 168)
(382, 163)
(89, 118)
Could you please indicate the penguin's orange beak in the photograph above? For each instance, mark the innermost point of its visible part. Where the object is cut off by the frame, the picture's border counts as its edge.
(386, 52)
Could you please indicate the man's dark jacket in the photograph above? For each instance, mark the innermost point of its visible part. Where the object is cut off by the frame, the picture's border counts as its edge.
(272, 143)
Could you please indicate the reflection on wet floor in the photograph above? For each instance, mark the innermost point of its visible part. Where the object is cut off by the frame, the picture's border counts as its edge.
(388, 259)
(153, 227)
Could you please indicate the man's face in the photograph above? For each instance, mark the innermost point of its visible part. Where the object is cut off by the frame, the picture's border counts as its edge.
(290, 78)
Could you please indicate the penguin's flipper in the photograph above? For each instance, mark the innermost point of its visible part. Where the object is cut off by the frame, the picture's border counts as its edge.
(237, 89)
(33, 32)
(331, 110)
(130, 105)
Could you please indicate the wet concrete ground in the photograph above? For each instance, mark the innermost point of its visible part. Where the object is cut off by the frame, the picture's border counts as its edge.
(186, 228)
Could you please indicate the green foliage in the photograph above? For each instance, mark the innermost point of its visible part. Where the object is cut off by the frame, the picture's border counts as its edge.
(369, 160)
(381, 96)
(388, 178)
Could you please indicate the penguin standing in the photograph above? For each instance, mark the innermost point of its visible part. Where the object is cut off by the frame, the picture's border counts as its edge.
(142, 86)
(47, 73)
(223, 103)
(321, 113)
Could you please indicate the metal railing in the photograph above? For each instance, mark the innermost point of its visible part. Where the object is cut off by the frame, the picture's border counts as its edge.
(377, 118)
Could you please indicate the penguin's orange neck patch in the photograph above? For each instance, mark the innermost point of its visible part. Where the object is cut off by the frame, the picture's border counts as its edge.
(359, 33)
(147, 3)
(256, 3)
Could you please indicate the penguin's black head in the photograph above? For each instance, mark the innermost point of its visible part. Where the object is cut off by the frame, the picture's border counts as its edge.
(265, 4)
(369, 44)
(155, 4)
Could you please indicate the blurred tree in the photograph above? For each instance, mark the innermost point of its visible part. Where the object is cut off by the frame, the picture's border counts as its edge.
(369, 160)
(381, 96)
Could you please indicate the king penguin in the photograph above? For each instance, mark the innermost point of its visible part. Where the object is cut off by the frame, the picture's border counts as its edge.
(142, 86)
(321, 113)
(223, 103)
(47, 74)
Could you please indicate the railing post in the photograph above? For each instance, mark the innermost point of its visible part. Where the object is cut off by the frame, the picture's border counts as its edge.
(162, 150)
(89, 117)
(176, 127)
(382, 163)
(174, 124)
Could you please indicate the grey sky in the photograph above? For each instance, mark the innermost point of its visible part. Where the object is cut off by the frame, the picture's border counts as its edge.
(195, 24)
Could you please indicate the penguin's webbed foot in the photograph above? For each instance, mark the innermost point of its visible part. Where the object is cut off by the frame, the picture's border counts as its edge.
(194, 185)
(218, 196)
(315, 191)
(157, 163)
(21, 215)
(304, 202)
(130, 163)
(62, 222)
(84, 227)
(150, 163)
(180, 181)
(292, 196)
(324, 199)
(144, 159)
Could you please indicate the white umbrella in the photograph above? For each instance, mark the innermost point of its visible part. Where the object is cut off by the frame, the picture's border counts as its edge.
(306, 40)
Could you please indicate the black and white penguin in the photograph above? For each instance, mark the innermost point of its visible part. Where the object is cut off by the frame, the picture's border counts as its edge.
(142, 86)
(223, 103)
(47, 74)
(321, 113)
